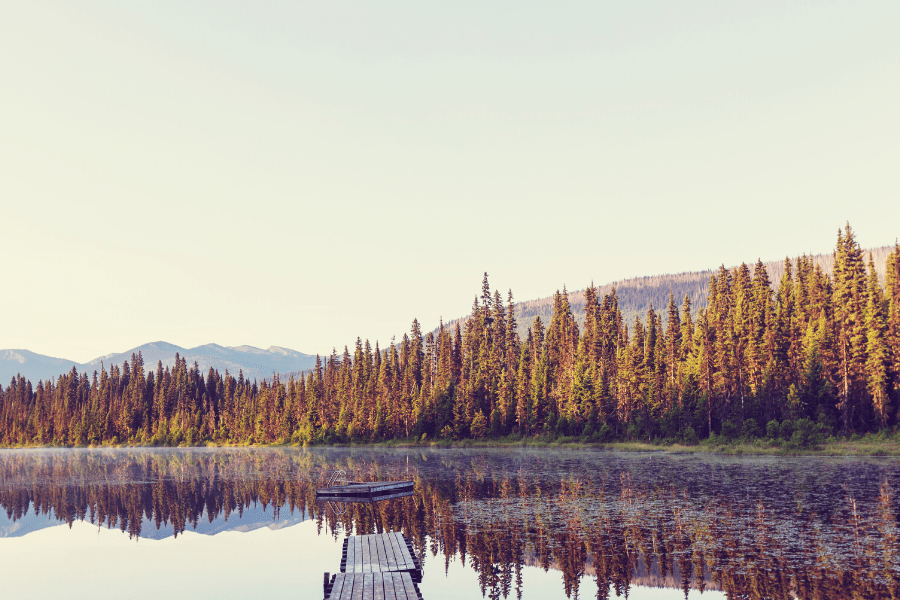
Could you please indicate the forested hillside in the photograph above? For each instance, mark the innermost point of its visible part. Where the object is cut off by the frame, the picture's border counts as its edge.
(638, 294)
(811, 351)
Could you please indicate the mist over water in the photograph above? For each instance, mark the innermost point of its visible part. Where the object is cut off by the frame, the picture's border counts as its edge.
(510, 523)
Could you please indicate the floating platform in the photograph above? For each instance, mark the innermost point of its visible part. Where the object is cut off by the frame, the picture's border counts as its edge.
(364, 490)
(364, 499)
(380, 566)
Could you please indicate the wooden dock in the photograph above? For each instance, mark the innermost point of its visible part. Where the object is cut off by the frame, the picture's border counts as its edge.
(363, 498)
(380, 566)
(373, 586)
(365, 490)
(380, 552)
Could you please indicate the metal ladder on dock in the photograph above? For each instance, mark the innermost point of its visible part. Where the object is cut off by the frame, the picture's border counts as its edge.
(340, 477)
(337, 477)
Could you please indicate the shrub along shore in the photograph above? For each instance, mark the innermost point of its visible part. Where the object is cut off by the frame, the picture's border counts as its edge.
(787, 438)
(798, 438)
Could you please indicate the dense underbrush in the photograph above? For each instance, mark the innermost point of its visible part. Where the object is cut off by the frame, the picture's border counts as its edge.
(801, 436)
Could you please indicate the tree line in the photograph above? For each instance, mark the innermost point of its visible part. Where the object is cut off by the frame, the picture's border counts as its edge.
(812, 348)
(637, 294)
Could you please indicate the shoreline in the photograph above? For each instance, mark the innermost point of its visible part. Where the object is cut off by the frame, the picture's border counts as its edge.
(759, 447)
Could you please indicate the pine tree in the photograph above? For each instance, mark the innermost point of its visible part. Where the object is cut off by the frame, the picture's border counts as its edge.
(878, 356)
(523, 388)
(705, 352)
(760, 320)
(512, 335)
(673, 345)
(816, 393)
(849, 303)
(892, 293)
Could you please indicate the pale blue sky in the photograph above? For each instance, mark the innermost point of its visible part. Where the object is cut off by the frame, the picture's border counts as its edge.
(299, 174)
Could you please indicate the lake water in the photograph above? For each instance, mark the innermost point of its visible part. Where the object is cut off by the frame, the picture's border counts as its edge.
(511, 523)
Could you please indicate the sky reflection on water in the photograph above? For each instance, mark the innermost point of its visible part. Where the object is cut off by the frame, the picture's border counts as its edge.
(525, 523)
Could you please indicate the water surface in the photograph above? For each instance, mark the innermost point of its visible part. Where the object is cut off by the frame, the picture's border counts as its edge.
(529, 523)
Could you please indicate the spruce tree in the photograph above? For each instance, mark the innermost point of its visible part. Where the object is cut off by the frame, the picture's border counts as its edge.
(849, 312)
(892, 293)
(673, 344)
(523, 387)
(877, 351)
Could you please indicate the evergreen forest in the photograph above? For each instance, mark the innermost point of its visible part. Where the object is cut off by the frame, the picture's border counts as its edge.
(812, 351)
(637, 294)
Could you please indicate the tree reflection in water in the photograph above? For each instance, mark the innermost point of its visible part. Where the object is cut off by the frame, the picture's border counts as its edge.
(754, 529)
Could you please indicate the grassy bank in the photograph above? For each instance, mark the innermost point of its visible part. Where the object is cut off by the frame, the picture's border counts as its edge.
(870, 445)
(882, 444)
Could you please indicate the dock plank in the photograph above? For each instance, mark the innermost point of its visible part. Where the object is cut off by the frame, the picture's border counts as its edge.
(367, 558)
(377, 554)
(390, 540)
(336, 586)
(379, 551)
(373, 551)
(347, 588)
(368, 591)
(389, 593)
(378, 592)
(401, 552)
(389, 563)
(348, 560)
(404, 550)
(351, 554)
(400, 588)
(360, 556)
(358, 586)
(412, 593)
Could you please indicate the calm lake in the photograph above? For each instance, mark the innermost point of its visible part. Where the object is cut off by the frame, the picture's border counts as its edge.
(509, 523)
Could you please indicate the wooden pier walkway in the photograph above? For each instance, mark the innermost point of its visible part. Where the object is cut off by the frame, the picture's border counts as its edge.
(373, 586)
(379, 566)
(381, 552)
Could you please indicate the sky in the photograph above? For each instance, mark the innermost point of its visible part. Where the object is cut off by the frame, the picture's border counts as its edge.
(299, 174)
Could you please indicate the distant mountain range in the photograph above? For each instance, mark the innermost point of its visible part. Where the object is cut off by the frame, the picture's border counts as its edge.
(254, 362)
(250, 519)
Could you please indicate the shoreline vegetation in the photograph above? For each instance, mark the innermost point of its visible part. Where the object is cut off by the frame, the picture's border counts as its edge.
(885, 443)
(810, 364)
